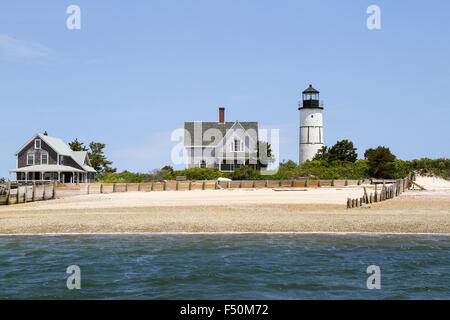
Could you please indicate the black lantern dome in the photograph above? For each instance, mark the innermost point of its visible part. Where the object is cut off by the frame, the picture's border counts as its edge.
(310, 98)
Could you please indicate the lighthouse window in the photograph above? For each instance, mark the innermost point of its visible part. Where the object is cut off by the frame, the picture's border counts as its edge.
(312, 116)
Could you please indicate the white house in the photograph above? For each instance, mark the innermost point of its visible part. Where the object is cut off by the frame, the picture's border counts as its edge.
(223, 145)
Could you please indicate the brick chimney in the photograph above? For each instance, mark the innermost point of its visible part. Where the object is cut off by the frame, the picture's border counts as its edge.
(221, 115)
(45, 133)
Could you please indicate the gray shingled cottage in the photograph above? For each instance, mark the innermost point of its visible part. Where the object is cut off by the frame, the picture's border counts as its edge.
(223, 145)
(49, 158)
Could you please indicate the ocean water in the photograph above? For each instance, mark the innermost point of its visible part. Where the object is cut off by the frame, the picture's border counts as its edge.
(225, 266)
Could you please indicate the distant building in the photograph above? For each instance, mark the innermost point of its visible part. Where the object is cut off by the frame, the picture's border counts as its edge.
(311, 124)
(49, 158)
(223, 145)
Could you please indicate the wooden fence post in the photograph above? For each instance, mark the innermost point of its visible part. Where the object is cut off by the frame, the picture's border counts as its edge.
(254, 184)
(178, 186)
(319, 183)
(165, 186)
(359, 182)
(114, 187)
(88, 188)
(153, 186)
(332, 182)
(371, 198)
(25, 195)
(190, 185)
(8, 192)
(101, 187)
(33, 195)
(346, 183)
(216, 185)
(281, 183)
(45, 189)
(139, 187)
(267, 183)
(126, 187)
(229, 184)
(292, 183)
(240, 184)
(307, 183)
(349, 203)
(54, 190)
(204, 185)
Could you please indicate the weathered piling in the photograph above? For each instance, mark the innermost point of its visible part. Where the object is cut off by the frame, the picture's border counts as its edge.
(349, 203)
(54, 190)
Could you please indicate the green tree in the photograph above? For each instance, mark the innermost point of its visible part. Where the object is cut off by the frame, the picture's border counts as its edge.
(381, 162)
(98, 159)
(167, 173)
(288, 165)
(342, 151)
(264, 154)
(76, 145)
(322, 154)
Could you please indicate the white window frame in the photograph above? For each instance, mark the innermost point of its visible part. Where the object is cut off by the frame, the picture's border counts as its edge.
(233, 145)
(28, 153)
(60, 157)
(42, 154)
(40, 143)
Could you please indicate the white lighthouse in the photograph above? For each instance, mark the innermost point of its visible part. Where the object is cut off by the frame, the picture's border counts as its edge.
(311, 125)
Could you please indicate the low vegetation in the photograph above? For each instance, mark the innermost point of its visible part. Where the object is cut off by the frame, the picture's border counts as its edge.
(339, 161)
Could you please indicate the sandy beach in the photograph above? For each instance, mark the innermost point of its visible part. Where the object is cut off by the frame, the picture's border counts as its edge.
(236, 210)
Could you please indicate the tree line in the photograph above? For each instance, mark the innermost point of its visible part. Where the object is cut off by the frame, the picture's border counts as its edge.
(339, 161)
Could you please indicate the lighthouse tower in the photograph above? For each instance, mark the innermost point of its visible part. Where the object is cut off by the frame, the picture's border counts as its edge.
(311, 125)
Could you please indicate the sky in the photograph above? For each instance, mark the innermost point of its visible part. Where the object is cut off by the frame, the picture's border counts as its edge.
(135, 71)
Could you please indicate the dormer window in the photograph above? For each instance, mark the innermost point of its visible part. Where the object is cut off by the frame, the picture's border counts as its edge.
(237, 146)
(37, 143)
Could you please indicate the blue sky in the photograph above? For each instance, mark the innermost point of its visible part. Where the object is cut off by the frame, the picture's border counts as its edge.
(135, 71)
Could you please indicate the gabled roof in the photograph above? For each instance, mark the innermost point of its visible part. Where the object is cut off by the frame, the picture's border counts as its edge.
(63, 149)
(235, 128)
(200, 138)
